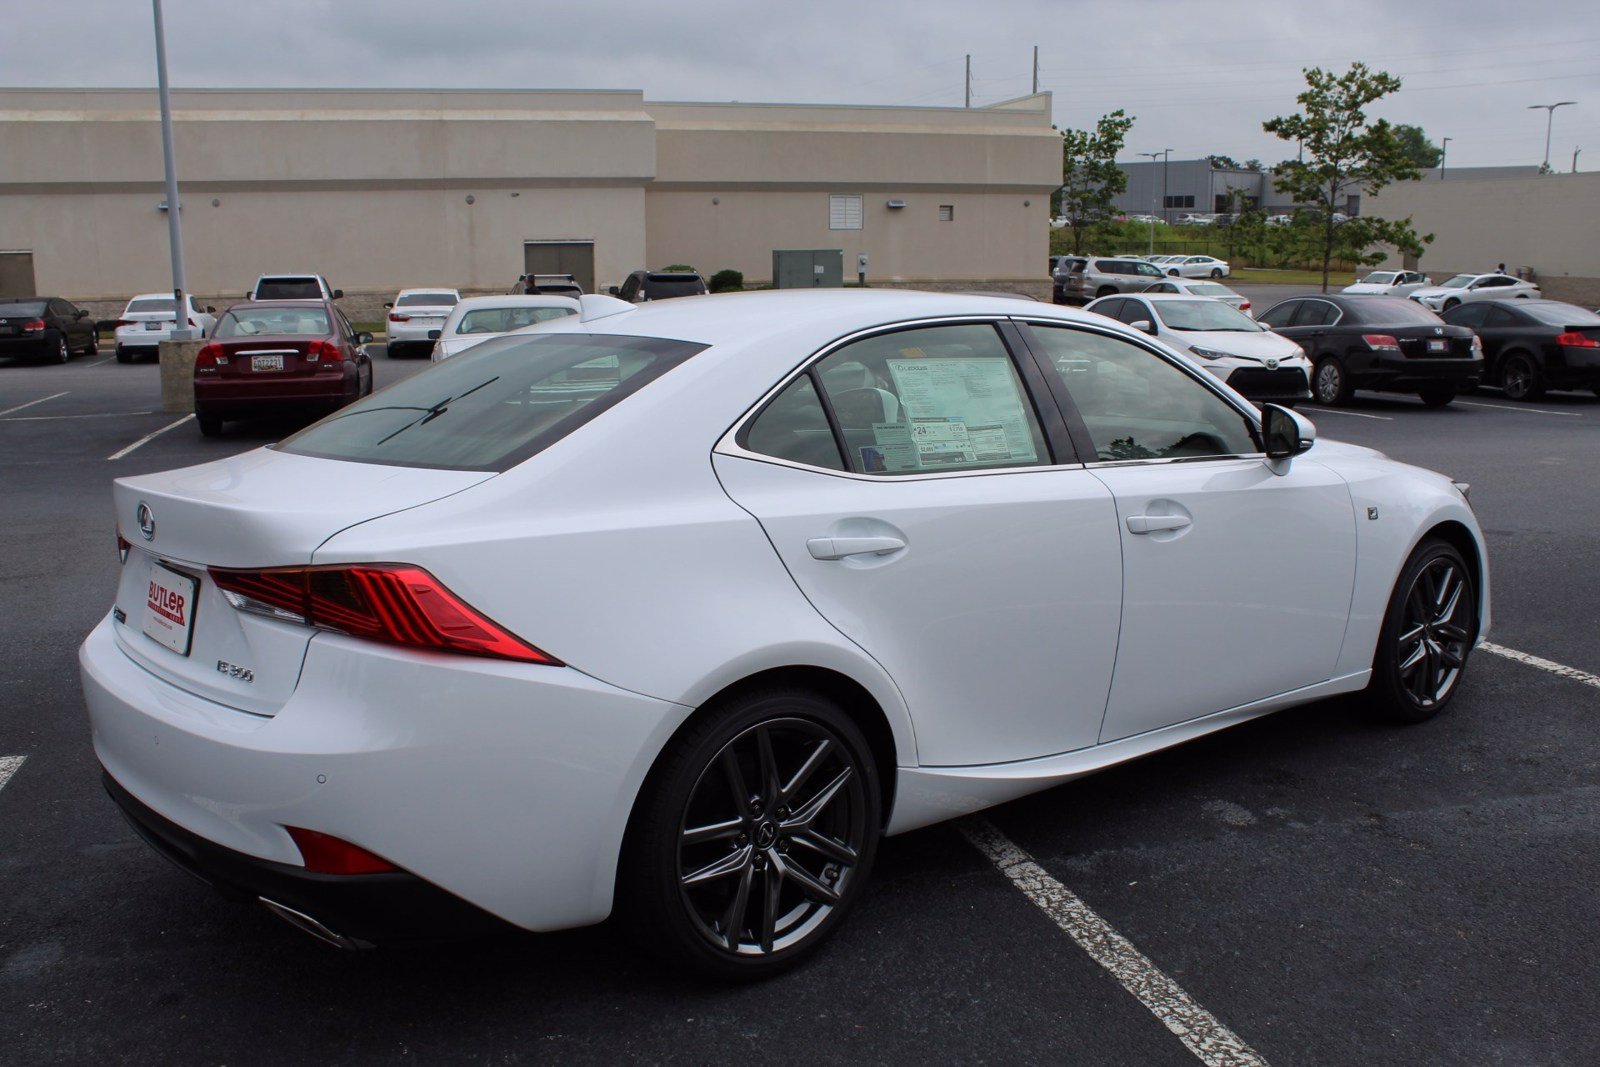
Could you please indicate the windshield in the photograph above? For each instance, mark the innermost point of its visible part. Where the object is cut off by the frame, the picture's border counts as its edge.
(495, 405)
(432, 300)
(504, 320)
(1460, 281)
(1381, 277)
(28, 308)
(150, 306)
(1189, 315)
(270, 321)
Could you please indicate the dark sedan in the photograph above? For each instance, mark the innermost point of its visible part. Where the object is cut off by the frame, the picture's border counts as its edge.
(1534, 345)
(45, 328)
(279, 356)
(1378, 342)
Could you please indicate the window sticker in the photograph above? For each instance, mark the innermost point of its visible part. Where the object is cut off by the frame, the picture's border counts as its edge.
(979, 394)
(942, 442)
(892, 449)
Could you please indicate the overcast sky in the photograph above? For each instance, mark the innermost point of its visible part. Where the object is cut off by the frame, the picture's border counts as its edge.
(1199, 77)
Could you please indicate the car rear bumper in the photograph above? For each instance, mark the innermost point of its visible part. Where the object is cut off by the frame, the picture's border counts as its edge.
(506, 785)
(33, 344)
(1403, 374)
(239, 396)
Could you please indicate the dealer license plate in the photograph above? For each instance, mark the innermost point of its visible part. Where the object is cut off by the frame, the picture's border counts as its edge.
(1438, 345)
(266, 362)
(154, 325)
(169, 608)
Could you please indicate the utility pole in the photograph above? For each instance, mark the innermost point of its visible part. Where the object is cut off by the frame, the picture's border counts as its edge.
(968, 102)
(1444, 151)
(1166, 217)
(1153, 156)
(1549, 121)
(1036, 70)
(180, 307)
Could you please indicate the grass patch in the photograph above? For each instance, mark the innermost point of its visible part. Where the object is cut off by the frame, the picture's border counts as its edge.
(1337, 279)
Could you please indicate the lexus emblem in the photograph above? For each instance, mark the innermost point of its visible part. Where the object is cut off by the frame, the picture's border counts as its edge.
(146, 520)
(1272, 364)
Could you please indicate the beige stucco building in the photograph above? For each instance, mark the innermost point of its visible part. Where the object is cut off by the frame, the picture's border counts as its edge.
(384, 189)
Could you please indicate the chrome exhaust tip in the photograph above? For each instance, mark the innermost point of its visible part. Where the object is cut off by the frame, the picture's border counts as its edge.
(301, 921)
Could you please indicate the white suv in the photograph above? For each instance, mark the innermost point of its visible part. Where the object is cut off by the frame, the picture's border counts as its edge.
(148, 320)
(414, 316)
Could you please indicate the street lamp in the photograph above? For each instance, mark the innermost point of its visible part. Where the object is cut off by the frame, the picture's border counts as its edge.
(180, 330)
(1444, 151)
(1549, 120)
(1152, 156)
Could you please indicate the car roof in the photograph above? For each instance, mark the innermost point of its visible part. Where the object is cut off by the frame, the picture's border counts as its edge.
(517, 300)
(290, 274)
(429, 289)
(156, 296)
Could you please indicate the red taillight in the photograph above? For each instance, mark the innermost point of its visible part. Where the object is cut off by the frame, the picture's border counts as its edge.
(322, 350)
(395, 316)
(1244, 305)
(123, 545)
(390, 602)
(1381, 342)
(33, 326)
(209, 356)
(123, 322)
(326, 854)
(1574, 339)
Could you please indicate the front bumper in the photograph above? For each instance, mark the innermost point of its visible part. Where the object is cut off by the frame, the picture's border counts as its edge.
(506, 785)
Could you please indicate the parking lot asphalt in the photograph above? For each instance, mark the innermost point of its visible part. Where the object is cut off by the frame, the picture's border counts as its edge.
(1331, 890)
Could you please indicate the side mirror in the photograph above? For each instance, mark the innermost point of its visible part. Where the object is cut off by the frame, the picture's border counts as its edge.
(363, 338)
(82, 314)
(210, 310)
(433, 335)
(1284, 435)
(1144, 326)
(388, 304)
(614, 290)
(337, 293)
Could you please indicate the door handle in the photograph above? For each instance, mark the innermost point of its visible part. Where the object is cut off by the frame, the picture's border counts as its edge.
(1143, 524)
(840, 547)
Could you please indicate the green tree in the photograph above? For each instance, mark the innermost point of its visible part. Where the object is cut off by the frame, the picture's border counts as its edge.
(1090, 177)
(1422, 153)
(1343, 153)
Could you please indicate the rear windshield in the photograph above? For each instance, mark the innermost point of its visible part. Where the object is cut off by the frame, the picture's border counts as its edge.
(1387, 310)
(1210, 289)
(288, 289)
(155, 306)
(662, 285)
(495, 405)
(32, 308)
(258, 322)
(432, 300)
(1561, 314)
(504, 320)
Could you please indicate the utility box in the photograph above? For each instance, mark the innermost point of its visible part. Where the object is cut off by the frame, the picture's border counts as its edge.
(807, 268)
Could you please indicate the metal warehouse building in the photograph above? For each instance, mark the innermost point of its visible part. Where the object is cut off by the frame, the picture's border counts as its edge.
(384, 189)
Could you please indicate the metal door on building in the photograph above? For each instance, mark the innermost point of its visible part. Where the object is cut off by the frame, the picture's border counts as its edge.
(561, 257)
(16, 274)
(807, 268)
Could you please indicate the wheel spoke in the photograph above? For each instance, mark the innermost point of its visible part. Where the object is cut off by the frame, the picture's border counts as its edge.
(733, 918)
(730, 767)
(809, 884)
(770, 784)
(806, 814)
(1442, 588)
(772, 890)
(1448, 611)
(1417, 655)
(1413, 634)
(821, 843)
(1451, 659)
(1451, 632)
(720, 868)
(717, 831)
(813, 761)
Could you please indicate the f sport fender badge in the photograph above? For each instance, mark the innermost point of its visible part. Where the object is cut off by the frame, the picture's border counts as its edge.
(233, 670)
(145, 519)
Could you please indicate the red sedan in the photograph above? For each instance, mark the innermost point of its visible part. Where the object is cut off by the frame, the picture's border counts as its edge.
(279, 356)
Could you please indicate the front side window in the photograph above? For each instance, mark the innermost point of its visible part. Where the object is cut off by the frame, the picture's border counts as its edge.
(1280, 314)
(935, 398)
(495, 405)
(1499, 316)
(274, 322)
(1135, 405)
(1149, 269)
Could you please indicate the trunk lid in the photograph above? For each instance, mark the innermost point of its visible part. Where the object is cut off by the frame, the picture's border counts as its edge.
(276, 355)
(261, 509)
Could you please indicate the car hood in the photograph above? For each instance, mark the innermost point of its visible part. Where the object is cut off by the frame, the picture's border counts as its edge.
(1259, 346)
(1434, 290)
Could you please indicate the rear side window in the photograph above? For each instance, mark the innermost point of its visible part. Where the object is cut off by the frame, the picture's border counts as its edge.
(1316, 313)
(495, 405)
(288, 289)
(1467, 315)
(794, 427)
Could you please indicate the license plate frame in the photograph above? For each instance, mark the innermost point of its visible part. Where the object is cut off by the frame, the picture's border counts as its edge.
(154, 325)
(1438, 344)
(169, 608)
(268, 362)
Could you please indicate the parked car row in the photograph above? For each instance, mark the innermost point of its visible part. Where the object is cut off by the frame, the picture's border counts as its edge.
(45, 328)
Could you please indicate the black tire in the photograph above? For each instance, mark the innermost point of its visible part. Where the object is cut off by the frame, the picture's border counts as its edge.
(1330, 385)
(1427, 635)
(1172, 274)
(811, 845)
(94, 344)
(63, 350)
(210, 425)
(123, 355)
(1521, 377)
(1216, 272)
(1437, 396)
(1451, 303)
(1105, 290)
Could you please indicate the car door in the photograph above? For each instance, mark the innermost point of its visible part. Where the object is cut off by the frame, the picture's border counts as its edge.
(960, 543)
(1236, 578)
(1498, 328)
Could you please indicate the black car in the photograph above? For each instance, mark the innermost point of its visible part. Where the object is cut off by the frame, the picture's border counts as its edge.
(548, 285)
(1533, 345)
(1378, 342)
(659, 285)
(45, 328)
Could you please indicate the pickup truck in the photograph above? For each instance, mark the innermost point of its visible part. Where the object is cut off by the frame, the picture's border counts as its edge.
(293, 287)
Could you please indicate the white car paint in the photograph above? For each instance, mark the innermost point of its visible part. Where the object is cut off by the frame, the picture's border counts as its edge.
(1197, 267)
(1389, 283)
(1464, 288)
(664, 561)
(1203, 287)
(148, 320)
(479, 318)
(414, 314)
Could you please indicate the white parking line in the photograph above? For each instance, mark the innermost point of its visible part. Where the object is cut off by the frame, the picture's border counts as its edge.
(9, 766)
(90, 415)
(1198, 1029)
(1519, 407)
(1357, 414)
(119, 453)
(97, 362)
(30, 403)
(1543, 664)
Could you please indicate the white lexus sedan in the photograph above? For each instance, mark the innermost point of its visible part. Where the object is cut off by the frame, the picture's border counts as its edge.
(149, 319)
(1465, 288)
(1197, 267)
(480, 318)
(680, 608)
(1389, 283)
(413, 315)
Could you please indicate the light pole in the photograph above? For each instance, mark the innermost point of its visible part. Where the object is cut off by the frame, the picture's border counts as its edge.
(180, 308)
(1549, 121)
(1444, 151)
(1575, 152)
(1152, 156)
(1165, 218)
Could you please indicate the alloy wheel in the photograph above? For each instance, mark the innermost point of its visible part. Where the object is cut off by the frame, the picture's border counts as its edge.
(1330, 382)
(1432, 643)
(772, 836)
